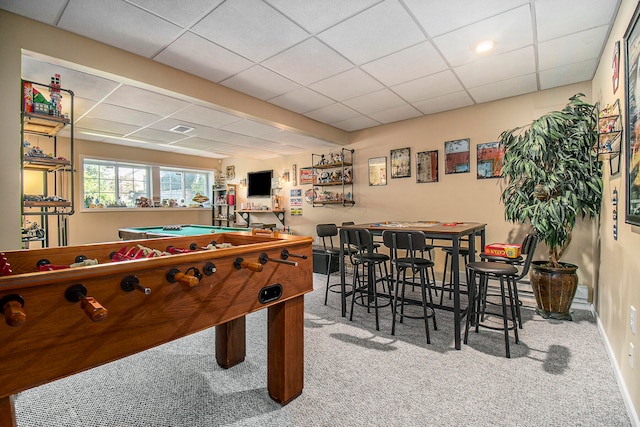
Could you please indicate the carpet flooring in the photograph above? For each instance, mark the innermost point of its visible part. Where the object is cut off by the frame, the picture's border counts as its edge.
(559, 374)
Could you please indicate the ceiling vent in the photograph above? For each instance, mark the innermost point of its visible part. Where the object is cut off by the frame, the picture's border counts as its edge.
(181, 129)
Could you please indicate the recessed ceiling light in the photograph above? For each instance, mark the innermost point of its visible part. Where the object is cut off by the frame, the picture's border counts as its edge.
(181, 129)
(484, 46)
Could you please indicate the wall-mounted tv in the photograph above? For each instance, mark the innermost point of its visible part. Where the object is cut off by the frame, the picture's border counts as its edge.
(259, 184)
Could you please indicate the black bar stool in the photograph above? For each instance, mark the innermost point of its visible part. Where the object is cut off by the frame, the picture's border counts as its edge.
(464, 253)
(358, 245)
(414, 244)
(327, 232)
(478, 274)
(523, 262)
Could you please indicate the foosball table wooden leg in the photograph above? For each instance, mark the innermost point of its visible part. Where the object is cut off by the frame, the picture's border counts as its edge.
(7, 412)
(231, 345)
(285, 359)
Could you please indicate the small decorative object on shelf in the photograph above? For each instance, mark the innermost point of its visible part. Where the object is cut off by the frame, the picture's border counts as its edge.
(333, 170)
(610, 135)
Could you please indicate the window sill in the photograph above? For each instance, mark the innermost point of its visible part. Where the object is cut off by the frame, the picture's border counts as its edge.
(145, 210)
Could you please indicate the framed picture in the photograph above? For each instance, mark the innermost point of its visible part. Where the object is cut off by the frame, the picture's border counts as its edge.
(427, 166)
(401, 163)
(378, 171)
(490, 156)
(456, 156)
(306, 176)
(632, 112)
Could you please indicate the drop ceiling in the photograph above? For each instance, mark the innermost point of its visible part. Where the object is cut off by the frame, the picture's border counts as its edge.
(352, 64)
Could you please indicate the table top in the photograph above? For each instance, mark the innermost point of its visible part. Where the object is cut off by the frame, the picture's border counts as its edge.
(428, 227)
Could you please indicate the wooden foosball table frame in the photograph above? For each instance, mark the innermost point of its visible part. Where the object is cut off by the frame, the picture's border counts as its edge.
(66, 320)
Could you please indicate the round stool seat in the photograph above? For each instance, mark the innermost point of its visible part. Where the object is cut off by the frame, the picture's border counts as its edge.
(461, 251)
(332, 251)
(417, 262)
(497, 268)
(371, 257)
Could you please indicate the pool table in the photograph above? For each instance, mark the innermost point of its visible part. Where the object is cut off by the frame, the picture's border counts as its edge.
(134, 233)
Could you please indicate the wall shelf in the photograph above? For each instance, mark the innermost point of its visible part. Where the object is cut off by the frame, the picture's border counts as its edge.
(333, 172)
(610, 135)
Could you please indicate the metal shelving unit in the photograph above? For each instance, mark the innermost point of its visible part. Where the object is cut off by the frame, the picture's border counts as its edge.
(55, 199)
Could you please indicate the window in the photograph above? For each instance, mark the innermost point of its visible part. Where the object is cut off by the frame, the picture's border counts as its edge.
(181, 186)
(112, 184)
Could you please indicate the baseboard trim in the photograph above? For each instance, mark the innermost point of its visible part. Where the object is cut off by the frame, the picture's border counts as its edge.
(631, 411)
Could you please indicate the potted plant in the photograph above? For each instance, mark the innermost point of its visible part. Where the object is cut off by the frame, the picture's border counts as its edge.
(553, 176)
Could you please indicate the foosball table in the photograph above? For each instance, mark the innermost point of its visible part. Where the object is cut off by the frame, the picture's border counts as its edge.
(69, 309)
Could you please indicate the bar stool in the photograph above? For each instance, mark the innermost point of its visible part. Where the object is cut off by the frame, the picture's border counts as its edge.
(359, 248)
(478, 274)
(414, 244)
(327, 232)
(523, 262)
(464, 253)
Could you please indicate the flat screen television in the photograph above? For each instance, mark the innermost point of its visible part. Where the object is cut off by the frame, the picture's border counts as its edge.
(259, 184)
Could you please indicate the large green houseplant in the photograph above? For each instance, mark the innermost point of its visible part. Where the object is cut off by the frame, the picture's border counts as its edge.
(553, 176)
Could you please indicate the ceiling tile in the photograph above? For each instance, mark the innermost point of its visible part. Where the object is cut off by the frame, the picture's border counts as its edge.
(572, 73)
(332, 113)
(35, 10)
(317, 15)
(505, 88)
(180, 12)
(145, 100)
(374, 33)
(444, 103)
(408, 64)
(308, 62)
(552, 15)
(249, 128)
(572, 48)
(167, 124)
(122, 115)
(402, 112)
(297, 140)
(375, 101)
(202, 58)
(356, 123)
(81, 106)
(509, 31)
(499, 67)
(156, 135)
(205, 116)
(105, 126)
(250, 28)
(261, 83)
(347, 85)
(301, 100)
(439, 17)
(84, 85)
(138, 31)
(429, 87)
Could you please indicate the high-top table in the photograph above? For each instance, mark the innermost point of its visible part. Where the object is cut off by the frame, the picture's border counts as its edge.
(453, 231)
